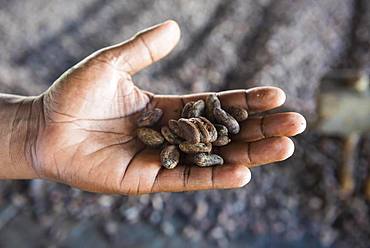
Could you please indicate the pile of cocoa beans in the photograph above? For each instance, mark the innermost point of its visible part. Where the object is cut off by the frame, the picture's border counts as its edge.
(202, 126)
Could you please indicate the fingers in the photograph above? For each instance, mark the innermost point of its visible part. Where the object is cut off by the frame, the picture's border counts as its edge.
(190, 178)
(257, 99)
(144, 175)
(257, 153)
(145, 48)
(274, 125)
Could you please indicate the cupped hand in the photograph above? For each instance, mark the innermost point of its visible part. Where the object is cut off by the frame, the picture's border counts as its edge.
(88, 136)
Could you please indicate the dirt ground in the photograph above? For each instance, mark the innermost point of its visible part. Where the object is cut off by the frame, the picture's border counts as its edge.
(224, 45)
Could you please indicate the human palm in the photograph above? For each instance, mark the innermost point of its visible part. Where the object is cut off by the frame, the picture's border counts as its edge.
(88, 139)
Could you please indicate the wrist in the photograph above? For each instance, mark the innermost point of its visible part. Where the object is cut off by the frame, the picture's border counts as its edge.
(21, 119)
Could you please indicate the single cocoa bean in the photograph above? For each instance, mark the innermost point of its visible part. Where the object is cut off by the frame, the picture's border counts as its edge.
(170, 157)
(238, 113)
(222, 117)
(205, 159)
(212, 102)
(170, 136)
(197, 109)
(221, 130)
(210, 128)
(221, 141)
(195, 148)
(204, 134)
(193, 109)
(149, 117)
(189, 131)
(174, 127)
(150, 137)
(186, 109)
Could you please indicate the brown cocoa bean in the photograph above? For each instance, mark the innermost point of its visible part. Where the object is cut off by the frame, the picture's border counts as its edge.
(195, 148)
(189, 131)
(170, 136)
(210, 128)
(212, 102)
(186, 109)
(149, 117)
(170, 157)
(197, 109)
(221, 130)
(150, 137)
(205, 159)
(221, 141)
(238, 113)
(204, 134)
(222, 117)
(193, 109)
(174, 127)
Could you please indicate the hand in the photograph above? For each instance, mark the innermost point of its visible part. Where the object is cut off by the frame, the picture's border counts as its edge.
(87, 138)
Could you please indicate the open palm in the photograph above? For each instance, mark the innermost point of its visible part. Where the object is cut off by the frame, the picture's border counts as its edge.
(88, 139)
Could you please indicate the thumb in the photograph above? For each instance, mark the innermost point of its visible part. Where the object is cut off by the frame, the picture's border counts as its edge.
(145, 48)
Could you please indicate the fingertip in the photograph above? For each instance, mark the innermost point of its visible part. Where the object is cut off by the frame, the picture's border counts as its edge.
(244, 176)
(174, 28)
(280, 96)
(286, 149)
(284, 124)
(240, 176)
(300, 123)
(265, 98)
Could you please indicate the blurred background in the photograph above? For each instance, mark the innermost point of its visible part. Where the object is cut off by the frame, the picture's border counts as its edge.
(302, 202)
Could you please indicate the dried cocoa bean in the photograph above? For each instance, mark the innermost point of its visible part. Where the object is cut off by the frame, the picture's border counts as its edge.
(195, 148)
(193, 109)
(170, 136)
(186, 109)
(221, 130)
(212, 102)
(205, 159)
(150, 137)
(221, 141)
(174, 127)
(238, 113)
(170, 157)
(204, 135)
(197, 109)
(189, 131)
(222, 117)
(149, 117)
(210, 128)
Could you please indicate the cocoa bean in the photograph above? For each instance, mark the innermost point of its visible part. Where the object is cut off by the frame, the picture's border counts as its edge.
(238, 113)
(186, 109)
(212, 102)
(205, 159)
(221, 141)
(174, 127)
(221, 130)
(195, 148)
(150, 137)
(210, 128)
(189, 131)
(222, 117)
(170, 157)
(149, 117)
(170, 136)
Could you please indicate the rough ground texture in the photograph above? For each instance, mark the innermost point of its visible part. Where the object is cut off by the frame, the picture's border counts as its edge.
(225, 45)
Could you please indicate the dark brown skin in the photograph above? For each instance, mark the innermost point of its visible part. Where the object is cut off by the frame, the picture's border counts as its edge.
(82, 130)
